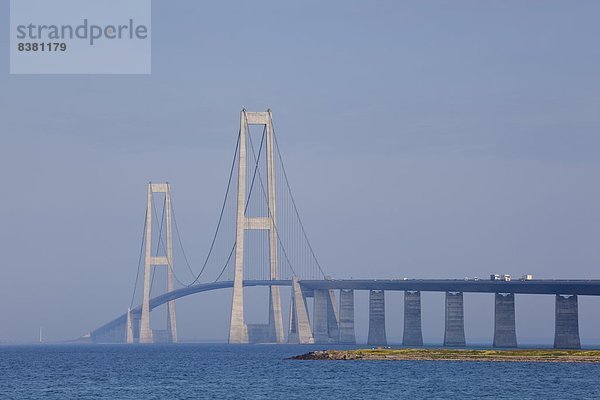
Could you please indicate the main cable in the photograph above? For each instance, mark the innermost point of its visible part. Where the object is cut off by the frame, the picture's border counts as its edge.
(214, 239)
(179, 236)
(139, 259)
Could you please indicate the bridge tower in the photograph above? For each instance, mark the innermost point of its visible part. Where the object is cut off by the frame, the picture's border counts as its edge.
(146, 334)
(239, 331)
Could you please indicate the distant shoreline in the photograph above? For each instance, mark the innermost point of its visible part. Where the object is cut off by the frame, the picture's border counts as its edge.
(537, 355)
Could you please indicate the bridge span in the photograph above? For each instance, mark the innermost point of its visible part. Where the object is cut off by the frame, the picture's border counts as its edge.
(333, 324)
(269, 247)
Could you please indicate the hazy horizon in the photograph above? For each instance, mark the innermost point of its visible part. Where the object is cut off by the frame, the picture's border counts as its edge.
(422, 140)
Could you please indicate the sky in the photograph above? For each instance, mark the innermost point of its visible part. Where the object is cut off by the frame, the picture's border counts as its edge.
(440, 139)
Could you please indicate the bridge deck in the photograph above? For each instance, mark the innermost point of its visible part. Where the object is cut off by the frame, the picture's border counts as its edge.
(580, 287)
(538, 286)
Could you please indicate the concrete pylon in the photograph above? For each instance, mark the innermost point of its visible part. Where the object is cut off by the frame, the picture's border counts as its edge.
(320, 331)
(300, 331)
(325, 317)
(333, 317)
(146, 335)
(413, 335)
(238, 330)
(377, 334)
(566, 323)
(129, 328)
(454, 334)
(505, 334)
(346, 314)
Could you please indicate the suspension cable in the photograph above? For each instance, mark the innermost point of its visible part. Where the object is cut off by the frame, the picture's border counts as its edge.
(214, 239)
(293, 201)
(249, 192)
(162, 219)
(256, 170)
(139, 259)
(179, 236)
(220, 217)
(164, 249)
(269, 208)
(226, 262)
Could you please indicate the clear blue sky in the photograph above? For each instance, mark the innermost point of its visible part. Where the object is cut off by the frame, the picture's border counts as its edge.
(423, 139)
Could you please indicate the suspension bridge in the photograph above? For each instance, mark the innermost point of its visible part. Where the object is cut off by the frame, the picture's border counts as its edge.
(260, 240)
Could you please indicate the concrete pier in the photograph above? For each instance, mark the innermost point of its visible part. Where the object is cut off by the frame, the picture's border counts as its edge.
(319, 323)
(275, 333)
(566, 330)
(325, 316)
(129, 336)
(300, 331)
(346, 325)
(413, 335)
(377, 334)
(454, 334)
(333, 317)
(505, 334)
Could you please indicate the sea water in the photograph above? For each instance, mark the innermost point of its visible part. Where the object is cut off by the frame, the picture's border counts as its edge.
(218, 371)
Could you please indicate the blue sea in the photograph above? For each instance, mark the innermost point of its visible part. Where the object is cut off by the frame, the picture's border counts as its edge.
(218, 371)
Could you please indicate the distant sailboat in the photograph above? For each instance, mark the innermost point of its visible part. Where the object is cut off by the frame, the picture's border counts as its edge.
(41, 337)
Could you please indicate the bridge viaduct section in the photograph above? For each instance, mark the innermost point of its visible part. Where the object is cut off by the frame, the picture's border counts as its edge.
(333, 322)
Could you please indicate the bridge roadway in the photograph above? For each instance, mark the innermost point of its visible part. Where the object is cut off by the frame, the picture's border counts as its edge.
(538, 286)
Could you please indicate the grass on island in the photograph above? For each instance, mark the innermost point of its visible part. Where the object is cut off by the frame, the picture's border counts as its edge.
(446, 354)
(464, 353)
